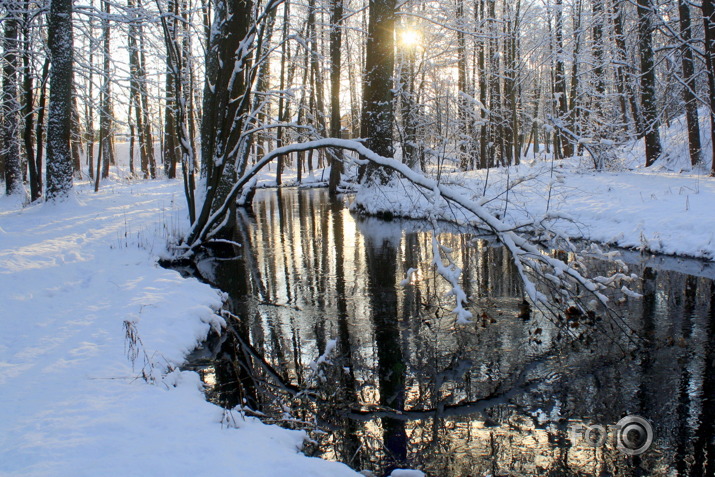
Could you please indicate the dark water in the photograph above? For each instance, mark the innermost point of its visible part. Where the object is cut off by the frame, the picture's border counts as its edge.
(406, 386)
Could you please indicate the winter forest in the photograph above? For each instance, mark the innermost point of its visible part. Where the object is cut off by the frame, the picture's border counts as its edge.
(458, 86)
(343, 237)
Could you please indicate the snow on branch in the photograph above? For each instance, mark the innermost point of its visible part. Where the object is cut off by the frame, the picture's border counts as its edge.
(451, 273)
(529, 259)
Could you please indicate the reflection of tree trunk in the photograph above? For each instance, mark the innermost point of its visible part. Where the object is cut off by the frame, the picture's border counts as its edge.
(350, 444)
(644, 402)
(484, 267)
(234, 384)
(382, 269)
(704, 447)
(684, 400)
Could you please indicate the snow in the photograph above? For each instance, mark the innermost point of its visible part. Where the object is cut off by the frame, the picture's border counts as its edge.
(406, 473)
(663, 209)
(77, 276)
(74, 276)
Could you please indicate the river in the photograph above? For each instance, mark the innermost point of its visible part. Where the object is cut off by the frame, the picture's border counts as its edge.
(515, 392)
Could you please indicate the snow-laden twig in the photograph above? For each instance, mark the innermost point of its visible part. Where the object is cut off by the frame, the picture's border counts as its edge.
(451, 273)
(527, 256)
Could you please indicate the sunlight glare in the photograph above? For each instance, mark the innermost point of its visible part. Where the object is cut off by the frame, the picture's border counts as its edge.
(410, 38)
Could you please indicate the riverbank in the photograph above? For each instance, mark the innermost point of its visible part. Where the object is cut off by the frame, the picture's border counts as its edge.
(654, 210)
(74, 277)
(663, 209)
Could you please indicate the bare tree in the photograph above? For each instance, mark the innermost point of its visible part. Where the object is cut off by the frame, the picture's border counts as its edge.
(649, 100)
(10, 105)
(378, 114)
(59, 158)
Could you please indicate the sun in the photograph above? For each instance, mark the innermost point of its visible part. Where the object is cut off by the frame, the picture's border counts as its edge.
(410, 38)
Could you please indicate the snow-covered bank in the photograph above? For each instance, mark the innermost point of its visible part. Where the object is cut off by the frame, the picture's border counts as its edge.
(71, 275)
(663, 209)
(655, 210)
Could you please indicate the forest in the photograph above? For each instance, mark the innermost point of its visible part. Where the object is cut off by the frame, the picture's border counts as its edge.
(205, 89)
(452, 237)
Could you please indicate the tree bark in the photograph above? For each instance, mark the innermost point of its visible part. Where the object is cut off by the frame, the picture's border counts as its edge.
(378, 114)
(10, 104)
(40, 127)
(336, 164)
(649, 103)
(171, 148)
(691, 104)
(464, 133)
(106, 128)
(59, 159)
(28, 108)
(563, 146)
(484, 161)
(709, 24)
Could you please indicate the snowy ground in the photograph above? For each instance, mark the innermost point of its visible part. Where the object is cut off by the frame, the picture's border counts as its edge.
(73, 275)
(70, 401)
(663, 209)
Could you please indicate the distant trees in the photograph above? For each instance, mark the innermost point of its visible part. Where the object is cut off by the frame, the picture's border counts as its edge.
(139, 90)
(484, 83)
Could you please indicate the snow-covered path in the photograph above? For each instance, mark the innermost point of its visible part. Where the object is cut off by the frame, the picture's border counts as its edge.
(71, 403)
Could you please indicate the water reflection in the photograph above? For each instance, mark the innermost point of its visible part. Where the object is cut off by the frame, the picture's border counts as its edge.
(404, 385)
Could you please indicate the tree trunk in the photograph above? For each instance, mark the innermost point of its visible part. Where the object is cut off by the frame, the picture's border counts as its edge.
(691, 104)
(106, 129)
(336, 164)
(76, 141)
(496, 118)
(59, 159)
(378, 115)
(134, 90)
(40, 127)
(484, 161)
(464, 130)
(709, 24)
(575, 109)
(28, 108)
(624, 73)
(226, 100)
(563, 146)
(145, 136)
(316, 75)
(282, 99)
(649, 103)
(170, 144)
(89, 103)
(10, 104)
